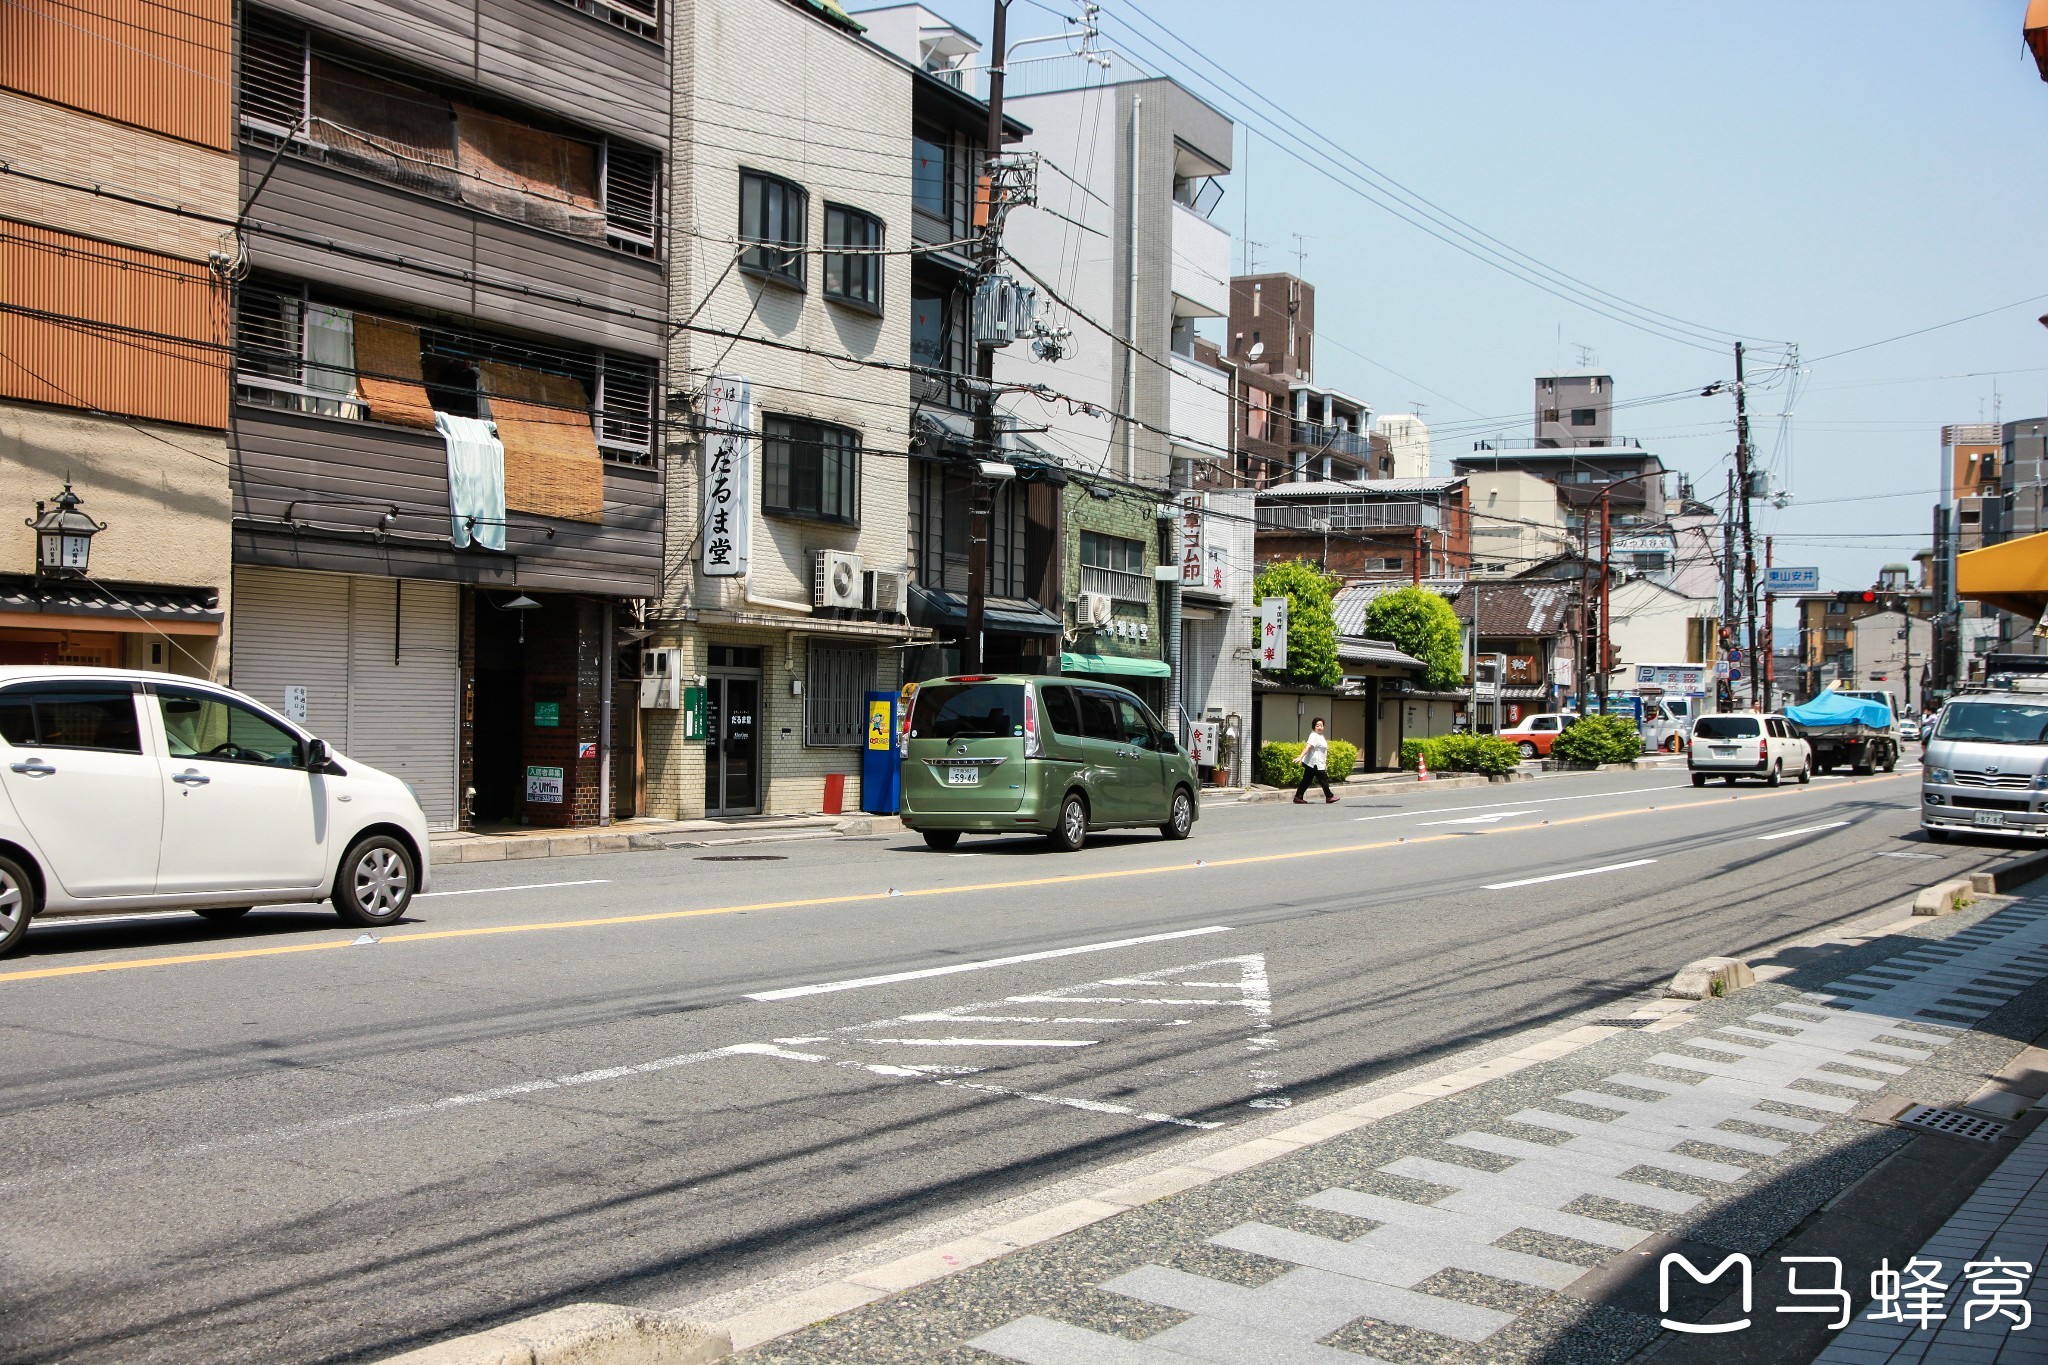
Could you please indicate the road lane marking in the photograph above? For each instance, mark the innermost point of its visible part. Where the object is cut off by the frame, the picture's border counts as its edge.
(1495, 818)
(1533, 801)
(1566, 876)
(827, 987)
(523, 886)
(859, 897)
(1803, 829)
(981, 1042)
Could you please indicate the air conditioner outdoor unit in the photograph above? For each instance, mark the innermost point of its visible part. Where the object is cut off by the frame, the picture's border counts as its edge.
(837, 581)
(1092, 609)
(661, 684)
(885, 591)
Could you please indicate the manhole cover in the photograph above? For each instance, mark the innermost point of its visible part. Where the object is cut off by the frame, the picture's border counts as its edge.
(743, 858)
(1951, 1123)
(1622, 1023)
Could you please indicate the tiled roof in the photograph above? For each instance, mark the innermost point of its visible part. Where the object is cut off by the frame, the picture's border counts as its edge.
(110, 601)
(1517, 608)
(1353, 598)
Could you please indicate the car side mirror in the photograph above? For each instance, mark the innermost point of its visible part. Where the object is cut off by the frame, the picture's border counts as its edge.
(317, 756)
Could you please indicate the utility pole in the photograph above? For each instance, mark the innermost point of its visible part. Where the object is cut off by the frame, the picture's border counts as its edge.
(1742, 484)
(1415, 559)
(1606, 578)
(1770, 631)
(989, 255)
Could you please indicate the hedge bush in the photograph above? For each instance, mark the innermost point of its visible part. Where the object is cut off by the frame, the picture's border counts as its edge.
(1599, 739)
(1280, 764)
(1462, 754)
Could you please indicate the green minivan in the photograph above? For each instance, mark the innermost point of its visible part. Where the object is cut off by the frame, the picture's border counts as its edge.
(1001, 754)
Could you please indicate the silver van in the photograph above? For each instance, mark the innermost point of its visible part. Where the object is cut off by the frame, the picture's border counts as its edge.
(1985, 767)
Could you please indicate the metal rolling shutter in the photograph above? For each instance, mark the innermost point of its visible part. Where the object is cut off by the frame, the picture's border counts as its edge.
(380, 689)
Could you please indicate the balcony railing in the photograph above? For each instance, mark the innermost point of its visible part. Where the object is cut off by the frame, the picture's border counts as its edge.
(1332, 440)
(1557, 443)
(1317, 517)
(1117, 584)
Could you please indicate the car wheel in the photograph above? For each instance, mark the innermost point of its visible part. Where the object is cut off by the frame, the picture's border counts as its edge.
(1730, 779)
(942, 839)
(1673, 744)
(1699, 779)
(1180, 821)
(374, 884)
(1777, 776)
(1891, 760)
(17, 904)
(1806, 774)
(1936, 836)
(1072, 830)
(1528, 750)
(221, 914)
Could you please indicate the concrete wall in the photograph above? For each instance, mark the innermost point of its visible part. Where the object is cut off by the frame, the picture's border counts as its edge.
(1505, 503)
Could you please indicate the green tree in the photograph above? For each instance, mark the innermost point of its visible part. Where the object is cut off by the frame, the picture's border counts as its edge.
(1420, 622)
(1311, 625)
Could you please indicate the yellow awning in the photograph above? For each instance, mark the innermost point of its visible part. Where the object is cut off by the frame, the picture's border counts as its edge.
(2012, 576)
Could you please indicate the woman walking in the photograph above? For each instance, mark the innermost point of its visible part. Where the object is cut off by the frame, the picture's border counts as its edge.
(1315, 763)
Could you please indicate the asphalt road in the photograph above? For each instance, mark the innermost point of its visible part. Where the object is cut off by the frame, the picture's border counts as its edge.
(650, 1077)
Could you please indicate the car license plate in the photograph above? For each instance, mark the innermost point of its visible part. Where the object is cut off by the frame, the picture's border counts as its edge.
(963, 777)
(1723, 750)
(1989, 819)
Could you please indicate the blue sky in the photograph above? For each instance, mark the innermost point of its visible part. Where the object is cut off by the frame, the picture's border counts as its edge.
(1817, 172)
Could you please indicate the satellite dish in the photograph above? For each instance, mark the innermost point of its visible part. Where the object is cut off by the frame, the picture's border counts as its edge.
(1257, 351)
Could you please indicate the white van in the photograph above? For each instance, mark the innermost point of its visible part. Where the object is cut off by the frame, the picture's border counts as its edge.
(123, 791)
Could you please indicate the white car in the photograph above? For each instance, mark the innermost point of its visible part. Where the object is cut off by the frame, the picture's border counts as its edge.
(123, 791)
(1747, 744)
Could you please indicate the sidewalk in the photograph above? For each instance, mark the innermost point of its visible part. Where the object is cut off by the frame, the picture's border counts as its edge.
(1521, 1208)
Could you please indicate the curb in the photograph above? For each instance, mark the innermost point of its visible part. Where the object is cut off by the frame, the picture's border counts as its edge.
(1710, 978)
(583, 1334)
(514, 847)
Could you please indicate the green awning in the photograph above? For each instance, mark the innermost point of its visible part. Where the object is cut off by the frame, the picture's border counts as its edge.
(1111, 663)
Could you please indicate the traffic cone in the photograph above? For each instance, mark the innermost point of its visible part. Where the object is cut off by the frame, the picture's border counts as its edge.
(1422, 768)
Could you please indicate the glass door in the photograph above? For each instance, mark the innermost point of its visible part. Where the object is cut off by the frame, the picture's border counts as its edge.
(732, 764)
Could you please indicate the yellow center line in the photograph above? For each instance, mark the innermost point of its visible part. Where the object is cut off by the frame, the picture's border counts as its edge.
(1067, 879)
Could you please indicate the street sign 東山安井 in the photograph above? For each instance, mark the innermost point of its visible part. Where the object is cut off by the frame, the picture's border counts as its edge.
(1800, 579)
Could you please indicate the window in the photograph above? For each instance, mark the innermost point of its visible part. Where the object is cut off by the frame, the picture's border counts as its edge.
(1585, 417)
(201, 725)
(1837, 608)
(968, 711)
(772, 212)
(931, 178)
(1060, 711)
(1550, 414)
(1115, 566)
(853, 276)
(1098, 716)
(1138, 729)
(631, 192)
(72, 716)
(835, 697)
(1838, 635)
(813, 470)
(1726, 727)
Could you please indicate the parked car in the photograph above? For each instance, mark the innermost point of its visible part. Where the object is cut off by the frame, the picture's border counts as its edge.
(123, 791)
(1747, 744)
(1985, 767)
(1534, 735)
(1665, 722)
(996, 754)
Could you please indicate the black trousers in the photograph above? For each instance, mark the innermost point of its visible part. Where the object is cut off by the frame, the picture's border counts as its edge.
(1309, 775)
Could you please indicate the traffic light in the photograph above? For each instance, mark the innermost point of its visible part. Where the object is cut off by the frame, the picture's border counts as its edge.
(1869, 596)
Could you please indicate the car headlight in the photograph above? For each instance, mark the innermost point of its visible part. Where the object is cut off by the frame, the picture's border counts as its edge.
(1941, 777)
(2040, 782)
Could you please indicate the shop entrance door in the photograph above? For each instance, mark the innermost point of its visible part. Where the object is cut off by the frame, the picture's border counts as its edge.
(732, 731)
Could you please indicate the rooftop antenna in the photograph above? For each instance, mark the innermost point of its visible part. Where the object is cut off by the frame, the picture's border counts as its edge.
(1251, 256)
(1300, 252)
(1587, 356)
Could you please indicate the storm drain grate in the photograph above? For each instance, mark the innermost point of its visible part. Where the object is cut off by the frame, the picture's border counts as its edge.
(1951, 1123)
(1622, 1023)
(743, 858)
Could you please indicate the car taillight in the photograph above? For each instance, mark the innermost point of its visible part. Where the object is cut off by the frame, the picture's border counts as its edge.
(903, 720)
(1032, 748)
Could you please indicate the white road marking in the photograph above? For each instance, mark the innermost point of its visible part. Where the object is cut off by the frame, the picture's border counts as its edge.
(1803, 829)
(981, 1042)
(1916, 857)
(827, 987)
(523, 886)
(1566, 876)
(1495, 817)
(1495, 805)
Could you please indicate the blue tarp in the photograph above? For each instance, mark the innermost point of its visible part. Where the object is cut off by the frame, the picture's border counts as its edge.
(1833, 708)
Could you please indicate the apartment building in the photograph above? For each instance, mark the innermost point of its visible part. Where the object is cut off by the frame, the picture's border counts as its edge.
(447, 419)
(117, 202)
(1518, 523)
(1410, 529)
(784, 602)
(1969, 516)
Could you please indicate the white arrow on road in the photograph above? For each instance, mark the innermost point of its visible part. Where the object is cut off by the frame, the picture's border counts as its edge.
(1489, 819)
(1803, 829)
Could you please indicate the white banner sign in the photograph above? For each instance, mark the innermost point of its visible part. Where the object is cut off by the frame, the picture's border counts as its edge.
(723, 537)
(1202, 740)
(1194, 567)
(1273, 634)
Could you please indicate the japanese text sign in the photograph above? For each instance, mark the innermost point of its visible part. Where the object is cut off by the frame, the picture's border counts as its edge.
(1273, 634)
(723, 538)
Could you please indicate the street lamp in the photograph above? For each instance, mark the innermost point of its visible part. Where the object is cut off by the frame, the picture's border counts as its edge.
(63, 536)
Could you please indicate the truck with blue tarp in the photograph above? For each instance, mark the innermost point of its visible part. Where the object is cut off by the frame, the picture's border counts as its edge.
(1853, 730)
